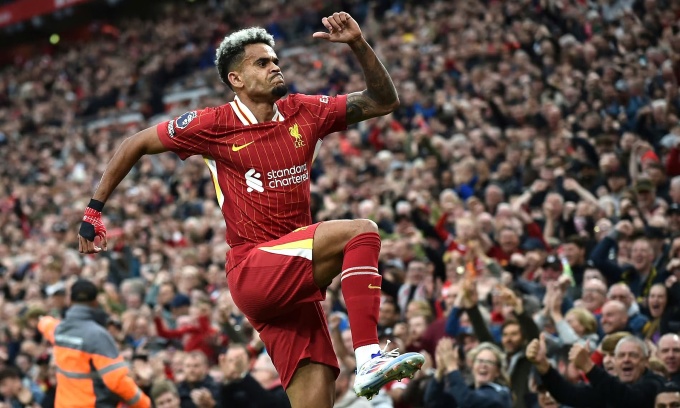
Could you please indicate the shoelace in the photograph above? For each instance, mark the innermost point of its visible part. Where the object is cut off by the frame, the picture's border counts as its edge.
(382, 354)
(392, 353)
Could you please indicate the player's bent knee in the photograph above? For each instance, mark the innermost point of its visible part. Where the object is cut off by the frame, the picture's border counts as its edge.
(364, 225)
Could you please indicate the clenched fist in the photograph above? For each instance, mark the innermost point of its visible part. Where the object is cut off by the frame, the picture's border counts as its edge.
(580, 356)
(537, 355)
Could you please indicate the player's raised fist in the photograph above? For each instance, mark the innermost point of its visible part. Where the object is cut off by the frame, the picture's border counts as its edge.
(92, 226)
(341, 28)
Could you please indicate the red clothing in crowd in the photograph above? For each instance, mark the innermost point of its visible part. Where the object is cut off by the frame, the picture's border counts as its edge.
(428, 341)
(202, 336)
(673, 162)
(532, 230)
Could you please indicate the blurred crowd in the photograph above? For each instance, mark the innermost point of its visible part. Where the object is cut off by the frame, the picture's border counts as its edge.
(527, 192)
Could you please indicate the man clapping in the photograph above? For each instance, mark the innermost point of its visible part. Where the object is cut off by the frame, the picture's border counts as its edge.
(634, 385)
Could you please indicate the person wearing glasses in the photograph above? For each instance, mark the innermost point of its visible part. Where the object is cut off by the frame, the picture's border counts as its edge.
(490, 387)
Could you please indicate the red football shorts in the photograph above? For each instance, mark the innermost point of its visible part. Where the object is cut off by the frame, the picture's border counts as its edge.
(274, 288)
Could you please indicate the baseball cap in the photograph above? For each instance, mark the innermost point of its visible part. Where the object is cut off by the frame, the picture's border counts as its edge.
(552, 262)
(644, 185)
(180, 300)
(649, 156)
(84, 290)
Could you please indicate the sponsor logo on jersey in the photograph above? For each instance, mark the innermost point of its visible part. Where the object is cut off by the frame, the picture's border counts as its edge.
(295, 134)
(171, 129)
(287, 177)
(323, 99)
(276, 178)
(184, 120)
(253, 181)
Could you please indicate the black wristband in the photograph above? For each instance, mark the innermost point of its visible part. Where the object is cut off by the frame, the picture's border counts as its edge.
(96, 205)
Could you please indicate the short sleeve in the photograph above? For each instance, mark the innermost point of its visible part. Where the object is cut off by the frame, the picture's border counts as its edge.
(189, 133)
(329, 112)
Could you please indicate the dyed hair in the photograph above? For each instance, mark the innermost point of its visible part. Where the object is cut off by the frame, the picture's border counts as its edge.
(231, 51)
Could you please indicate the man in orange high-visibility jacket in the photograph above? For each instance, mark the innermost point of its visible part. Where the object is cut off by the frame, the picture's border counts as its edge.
(90, 372)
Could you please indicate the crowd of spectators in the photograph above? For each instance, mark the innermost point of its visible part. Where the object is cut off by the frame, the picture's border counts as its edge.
(527, 191)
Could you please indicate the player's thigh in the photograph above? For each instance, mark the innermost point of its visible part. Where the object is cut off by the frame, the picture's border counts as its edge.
(330, 239)
(313, 385)
(267, 285)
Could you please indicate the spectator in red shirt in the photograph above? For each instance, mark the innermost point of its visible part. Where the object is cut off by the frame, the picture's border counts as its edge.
(196, 335)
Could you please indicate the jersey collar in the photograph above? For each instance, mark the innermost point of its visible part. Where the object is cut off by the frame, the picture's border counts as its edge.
(246, 116)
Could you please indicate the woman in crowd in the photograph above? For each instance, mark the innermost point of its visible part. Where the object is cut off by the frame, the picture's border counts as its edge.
(577, 327)
(448, 388)
(657, 303)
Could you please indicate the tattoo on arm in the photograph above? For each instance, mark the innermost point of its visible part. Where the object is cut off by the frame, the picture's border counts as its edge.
(360, 107)
(380, 96)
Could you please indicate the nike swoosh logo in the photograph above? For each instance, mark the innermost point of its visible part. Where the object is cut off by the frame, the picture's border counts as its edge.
(373, 287)
(235, 148)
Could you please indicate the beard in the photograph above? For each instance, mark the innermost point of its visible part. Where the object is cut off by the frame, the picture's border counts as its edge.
(280, 91)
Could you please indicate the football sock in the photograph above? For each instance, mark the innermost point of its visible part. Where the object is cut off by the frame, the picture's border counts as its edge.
(360, 283)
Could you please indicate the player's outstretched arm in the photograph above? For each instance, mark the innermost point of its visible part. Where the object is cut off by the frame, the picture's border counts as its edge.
(380, 96)
(128, 153)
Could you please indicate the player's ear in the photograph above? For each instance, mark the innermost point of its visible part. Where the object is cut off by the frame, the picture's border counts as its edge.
(235, 78)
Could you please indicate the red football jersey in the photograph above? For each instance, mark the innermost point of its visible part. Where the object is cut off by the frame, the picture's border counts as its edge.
(260, 170)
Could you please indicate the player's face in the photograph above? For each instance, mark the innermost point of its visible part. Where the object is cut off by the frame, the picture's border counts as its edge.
(261, 76)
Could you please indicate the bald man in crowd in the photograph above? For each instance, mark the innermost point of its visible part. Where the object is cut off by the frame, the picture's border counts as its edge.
(668, 351)
(622, 293)
(614, 317)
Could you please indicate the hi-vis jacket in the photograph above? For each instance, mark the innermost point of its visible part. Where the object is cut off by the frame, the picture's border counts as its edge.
(90, 373)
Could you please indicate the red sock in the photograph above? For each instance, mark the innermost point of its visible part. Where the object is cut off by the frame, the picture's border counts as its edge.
(360, 282)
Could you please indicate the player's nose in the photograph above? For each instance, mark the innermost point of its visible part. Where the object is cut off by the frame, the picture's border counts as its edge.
(276, 73)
